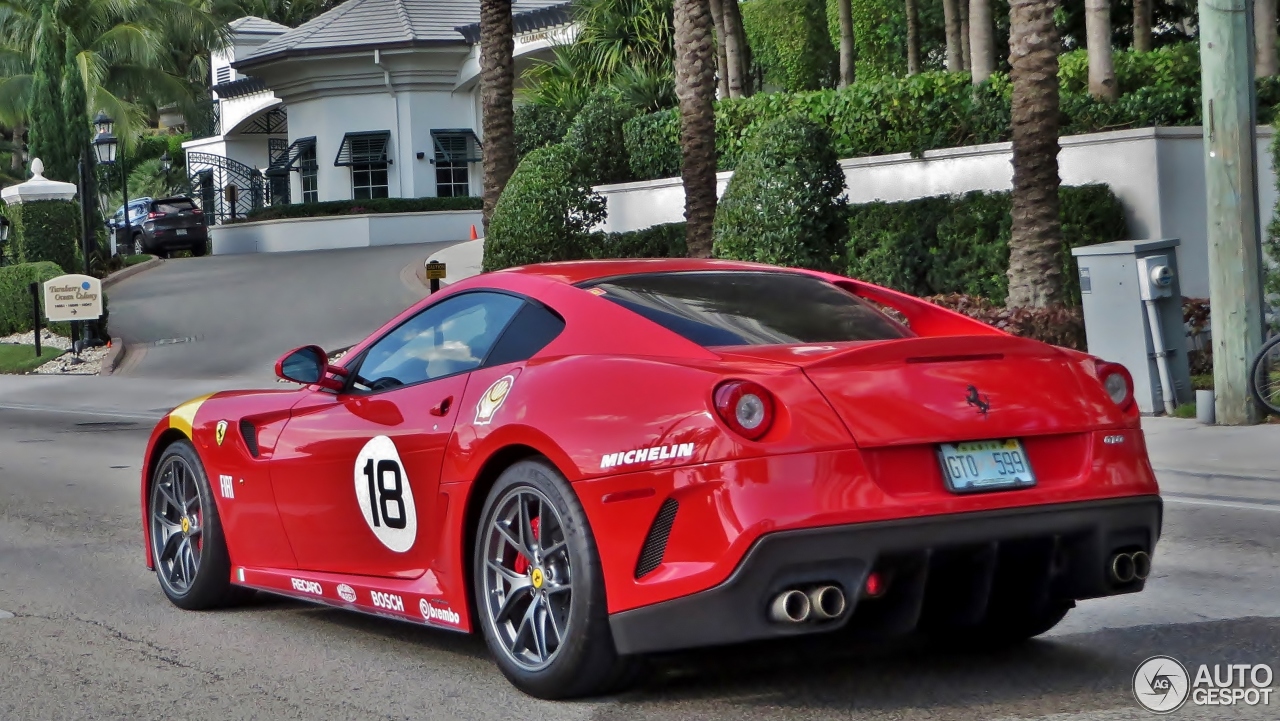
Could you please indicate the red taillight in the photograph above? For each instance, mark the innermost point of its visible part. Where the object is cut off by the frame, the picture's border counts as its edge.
(153, 215)
(196, 211)
(874, 586)
(745, 407)
(1118, 384)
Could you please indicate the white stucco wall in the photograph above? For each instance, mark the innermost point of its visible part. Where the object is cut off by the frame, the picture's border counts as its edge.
(1158, 173)
(347, 231)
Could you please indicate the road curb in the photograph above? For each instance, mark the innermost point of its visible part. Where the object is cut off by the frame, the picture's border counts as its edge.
(115, 355)
(129, 272)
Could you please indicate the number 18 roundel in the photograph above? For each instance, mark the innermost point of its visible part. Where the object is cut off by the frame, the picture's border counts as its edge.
(384, 495)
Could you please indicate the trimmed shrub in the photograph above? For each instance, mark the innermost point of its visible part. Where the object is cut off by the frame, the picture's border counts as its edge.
(45, 230)
(790, 43)
(596, 137)
(1058, 325)
(652, 144)
(361, 207)
(545, 213)
(785, 204)
(537, 126)
(879, 37)
(658, 241)
(960, 244)
(15, 295)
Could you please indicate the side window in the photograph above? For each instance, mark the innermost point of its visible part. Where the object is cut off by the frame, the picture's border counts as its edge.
(533, 328)
(450, 337)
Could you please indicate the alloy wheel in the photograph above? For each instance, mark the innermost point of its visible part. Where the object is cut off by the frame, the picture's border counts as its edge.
(177, 528)
(138, 248)
(528, 582)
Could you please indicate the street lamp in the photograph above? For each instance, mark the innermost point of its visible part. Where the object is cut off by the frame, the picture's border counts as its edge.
(166, 163)
(4, 234)
(107, 147)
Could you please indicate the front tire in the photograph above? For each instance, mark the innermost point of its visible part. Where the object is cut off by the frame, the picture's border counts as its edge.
(539, 587)
(187, 545)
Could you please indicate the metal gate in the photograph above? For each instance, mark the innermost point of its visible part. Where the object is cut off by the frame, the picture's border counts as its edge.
(226, 189)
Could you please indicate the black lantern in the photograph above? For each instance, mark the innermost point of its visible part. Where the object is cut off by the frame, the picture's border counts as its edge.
(103, 123)
(166, 163)
(4, 230)
(106, 144)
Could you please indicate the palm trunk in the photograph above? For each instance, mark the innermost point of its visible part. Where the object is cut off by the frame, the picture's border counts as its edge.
(846, 43)
(964, 34)
(1264, 31)
(497, 98)
(982, 60)
(1102, 76)
(951, 18)
(722, 58)
(695, 88)
(16, 165)
(1035, 266)
(913, 38)
(735, 44)
(1142, 25)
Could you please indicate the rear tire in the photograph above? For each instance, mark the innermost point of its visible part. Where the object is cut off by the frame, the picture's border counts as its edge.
(187, 545)
(522, 576)
(139, 245)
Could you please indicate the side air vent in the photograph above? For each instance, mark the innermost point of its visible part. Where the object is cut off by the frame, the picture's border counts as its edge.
(250, 435)
(655, 544)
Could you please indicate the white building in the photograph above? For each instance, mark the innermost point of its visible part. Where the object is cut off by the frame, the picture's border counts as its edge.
(373, 99)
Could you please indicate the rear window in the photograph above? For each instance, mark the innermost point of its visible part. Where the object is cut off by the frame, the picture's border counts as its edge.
(174, 206)
(725, 308)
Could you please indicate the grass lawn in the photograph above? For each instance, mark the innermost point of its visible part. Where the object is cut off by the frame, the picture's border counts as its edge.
(22, 358)
(136, 259)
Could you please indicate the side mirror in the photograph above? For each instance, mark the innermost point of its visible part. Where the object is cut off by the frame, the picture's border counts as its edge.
(309, 365)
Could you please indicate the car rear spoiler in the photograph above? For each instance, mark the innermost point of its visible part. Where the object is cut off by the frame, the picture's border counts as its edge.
(924, 318)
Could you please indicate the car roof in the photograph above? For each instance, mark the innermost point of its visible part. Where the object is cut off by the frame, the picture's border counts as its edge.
(581, 271)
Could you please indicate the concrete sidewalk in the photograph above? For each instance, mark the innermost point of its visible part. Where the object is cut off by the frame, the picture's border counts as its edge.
(1231, 466)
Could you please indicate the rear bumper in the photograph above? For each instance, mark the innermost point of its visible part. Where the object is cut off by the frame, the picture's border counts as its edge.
(943, 569)
(170, 238)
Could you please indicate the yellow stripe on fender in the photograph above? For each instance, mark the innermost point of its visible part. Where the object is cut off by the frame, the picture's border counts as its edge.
(184, 416)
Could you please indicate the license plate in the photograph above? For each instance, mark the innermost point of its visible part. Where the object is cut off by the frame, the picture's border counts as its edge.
(985, 466)
(182, 231)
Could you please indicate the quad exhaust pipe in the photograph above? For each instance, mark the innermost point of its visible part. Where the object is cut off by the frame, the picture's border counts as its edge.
(820, 603)
(1127, 567)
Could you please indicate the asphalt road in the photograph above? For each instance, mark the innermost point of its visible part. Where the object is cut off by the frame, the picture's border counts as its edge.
(233, 316)
(92, 637)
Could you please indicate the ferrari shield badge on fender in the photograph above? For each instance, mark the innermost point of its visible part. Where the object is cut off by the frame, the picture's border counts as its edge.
(492, 399)
(220, 433)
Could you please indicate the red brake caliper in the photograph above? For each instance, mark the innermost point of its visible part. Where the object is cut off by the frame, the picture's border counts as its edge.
(522, 563)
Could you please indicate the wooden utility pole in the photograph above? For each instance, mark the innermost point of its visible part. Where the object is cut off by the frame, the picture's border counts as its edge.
(1235, 255)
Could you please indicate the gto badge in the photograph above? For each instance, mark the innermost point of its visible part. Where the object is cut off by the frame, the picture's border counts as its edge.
(981, 402)
(220, 432)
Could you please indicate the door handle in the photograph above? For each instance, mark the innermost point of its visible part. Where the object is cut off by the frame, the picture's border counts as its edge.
(442, 408)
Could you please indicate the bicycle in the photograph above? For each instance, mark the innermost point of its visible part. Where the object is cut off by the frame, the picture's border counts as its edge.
(1264, 376)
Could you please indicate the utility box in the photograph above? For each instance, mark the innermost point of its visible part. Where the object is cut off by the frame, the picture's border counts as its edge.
(1129, 289)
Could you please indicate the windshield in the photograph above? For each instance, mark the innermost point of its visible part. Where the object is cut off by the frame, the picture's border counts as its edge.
(725, 308)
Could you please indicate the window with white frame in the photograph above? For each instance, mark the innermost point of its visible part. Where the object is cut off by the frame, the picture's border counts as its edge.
(308, 171)
(455, 151)
(366, 154)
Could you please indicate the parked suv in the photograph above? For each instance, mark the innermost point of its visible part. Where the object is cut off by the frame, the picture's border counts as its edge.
(161, 227)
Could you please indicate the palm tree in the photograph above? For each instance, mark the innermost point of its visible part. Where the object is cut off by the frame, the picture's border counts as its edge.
(1142, 25)
(1102, 76)
(913, 38)
(735, 49)
(1264, 29)
(695, 88)
(965, 58)
(497, 98)
(982, 46)
(1035, 269)
(951, 19)
(15, 97)
(846, 42)
(722, 55)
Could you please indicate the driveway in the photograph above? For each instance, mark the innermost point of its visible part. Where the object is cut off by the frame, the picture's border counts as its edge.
(233, 316)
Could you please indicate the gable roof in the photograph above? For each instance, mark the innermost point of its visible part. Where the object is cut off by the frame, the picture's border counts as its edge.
(250, 25)
(380, 24)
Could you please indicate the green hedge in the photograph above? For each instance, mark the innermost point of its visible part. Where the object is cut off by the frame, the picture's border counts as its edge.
(15, 295)
(362, 207)
(658, 241)
(960, 244)
(538, 125)
(596, 137)
(45, 230)
(790, 43)
(785, 204)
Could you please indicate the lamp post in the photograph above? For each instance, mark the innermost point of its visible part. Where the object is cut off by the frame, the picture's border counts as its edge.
(107, 147)
(4, 234)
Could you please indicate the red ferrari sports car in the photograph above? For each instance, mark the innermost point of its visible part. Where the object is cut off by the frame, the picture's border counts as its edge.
(589, 462)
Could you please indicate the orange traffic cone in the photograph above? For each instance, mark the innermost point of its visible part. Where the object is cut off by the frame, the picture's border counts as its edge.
(473, 233)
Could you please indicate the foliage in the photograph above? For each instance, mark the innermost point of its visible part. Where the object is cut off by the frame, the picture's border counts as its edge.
(785, 204)
(879, 37)
(1058, 324)
(15, 295)
(538, 126)
(21, 359)
(46, 111)
(652, 144)
(959, 244)
(1271, 243)
(658, 241)
(790, 42)
(545, 214)
(45, 230)
(361, 207)
(286, 12)
(596, 137)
